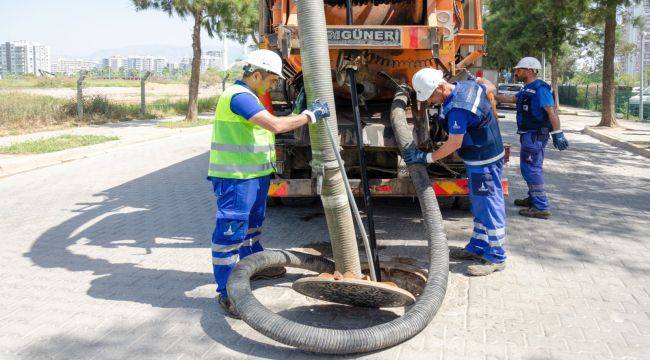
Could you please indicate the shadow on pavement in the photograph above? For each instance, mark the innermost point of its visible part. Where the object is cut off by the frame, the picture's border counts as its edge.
(172, 209)
(141, 215)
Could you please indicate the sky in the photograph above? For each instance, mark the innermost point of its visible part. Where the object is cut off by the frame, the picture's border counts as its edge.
(77, 28)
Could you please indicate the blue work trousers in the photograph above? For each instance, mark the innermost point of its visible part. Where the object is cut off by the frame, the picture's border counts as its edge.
(531, 165)
(241, 208)
(488, 208)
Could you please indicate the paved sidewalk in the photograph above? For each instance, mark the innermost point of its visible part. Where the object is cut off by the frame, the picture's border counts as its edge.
(128, 132)
(109, 258)
(633, 136)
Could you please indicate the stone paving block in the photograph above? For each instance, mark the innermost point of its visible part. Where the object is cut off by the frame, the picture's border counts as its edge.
(627, 352)
(546, 342)
(118, 264)
(589, 348)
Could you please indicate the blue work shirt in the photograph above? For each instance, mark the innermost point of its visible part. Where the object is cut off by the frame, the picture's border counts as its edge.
(245, 104)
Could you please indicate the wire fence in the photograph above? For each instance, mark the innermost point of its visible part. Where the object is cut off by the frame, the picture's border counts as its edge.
(590, 97)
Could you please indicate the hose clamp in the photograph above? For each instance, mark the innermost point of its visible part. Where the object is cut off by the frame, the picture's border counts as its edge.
(318, 169)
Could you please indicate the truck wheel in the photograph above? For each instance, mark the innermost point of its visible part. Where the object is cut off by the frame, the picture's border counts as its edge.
(462, 203)
(273, 202)
(293, 202)
(446, 202)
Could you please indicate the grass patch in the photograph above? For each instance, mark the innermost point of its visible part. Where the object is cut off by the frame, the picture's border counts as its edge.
(19, 112)
(63, 82)
(23, 113)
(57, 143)
(185, 123)
(166, 107)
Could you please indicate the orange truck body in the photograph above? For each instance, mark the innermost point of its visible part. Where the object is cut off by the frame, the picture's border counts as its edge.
(398, 37)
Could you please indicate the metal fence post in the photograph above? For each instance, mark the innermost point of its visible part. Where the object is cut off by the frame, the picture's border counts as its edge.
(223, 82)
(80, 97)
(143, 105)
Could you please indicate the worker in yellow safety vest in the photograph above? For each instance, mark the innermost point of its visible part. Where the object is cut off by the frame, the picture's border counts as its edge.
(242, 158)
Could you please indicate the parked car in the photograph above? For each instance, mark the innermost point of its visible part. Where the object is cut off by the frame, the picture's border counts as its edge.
(634, 104)
(510, 90)
(646, 91)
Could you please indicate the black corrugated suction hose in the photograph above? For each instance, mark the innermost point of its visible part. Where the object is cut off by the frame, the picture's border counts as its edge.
(332, 341)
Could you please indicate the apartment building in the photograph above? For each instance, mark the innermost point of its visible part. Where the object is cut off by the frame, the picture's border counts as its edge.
(72, 66)
(631, 64)
(24, 57)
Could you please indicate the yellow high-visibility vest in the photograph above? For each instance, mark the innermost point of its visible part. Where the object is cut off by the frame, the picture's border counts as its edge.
(240, 149)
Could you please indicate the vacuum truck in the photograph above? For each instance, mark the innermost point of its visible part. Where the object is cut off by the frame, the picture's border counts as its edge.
(359, 56)
(383, 43)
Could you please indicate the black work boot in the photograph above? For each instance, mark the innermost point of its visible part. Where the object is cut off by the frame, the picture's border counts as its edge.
(228, 307)
(275, 272)
(534, 212)
(460, 253)
(523, 202)
(485, 268)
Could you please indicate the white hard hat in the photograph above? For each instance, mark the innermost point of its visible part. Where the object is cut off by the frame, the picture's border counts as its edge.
(529, 63)
(426, 81)
(266, 60)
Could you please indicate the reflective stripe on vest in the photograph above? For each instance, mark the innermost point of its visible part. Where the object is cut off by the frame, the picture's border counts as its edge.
(240, 149)
(239, 168)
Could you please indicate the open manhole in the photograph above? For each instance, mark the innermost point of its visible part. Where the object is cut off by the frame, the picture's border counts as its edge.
(401, 284)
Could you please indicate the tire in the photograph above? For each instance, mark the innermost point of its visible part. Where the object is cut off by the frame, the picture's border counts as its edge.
(462, 203)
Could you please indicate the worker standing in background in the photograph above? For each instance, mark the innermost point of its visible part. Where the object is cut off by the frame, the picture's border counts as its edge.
(473, 132)
(537, 120)
(242, 158)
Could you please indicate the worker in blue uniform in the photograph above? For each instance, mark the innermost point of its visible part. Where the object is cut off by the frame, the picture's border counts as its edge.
(474, 134)
(242, 159)
(537, 121)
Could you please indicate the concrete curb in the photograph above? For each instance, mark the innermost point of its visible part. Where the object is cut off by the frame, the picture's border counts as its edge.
(638, 150)
(579, 113)
(95, 150)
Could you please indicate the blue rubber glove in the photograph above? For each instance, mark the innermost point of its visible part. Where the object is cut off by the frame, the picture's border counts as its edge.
(559, 141)
(415, 156)
(317, 111)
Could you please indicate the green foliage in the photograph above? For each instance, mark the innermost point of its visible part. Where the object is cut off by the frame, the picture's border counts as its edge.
(22, 113)
(30, 81)
(100, 109)
(588, 96)
(517, 28)
(166, 107)
(236, 19)
(584, 77)
(19, 112)
(58, 143)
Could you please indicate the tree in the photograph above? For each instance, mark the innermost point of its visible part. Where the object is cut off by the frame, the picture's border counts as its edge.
(235, 19)
(541, 27)
(605, 12)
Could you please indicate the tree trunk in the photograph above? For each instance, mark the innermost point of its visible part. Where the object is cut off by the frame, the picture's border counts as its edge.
(609, 116)
(554, 77)
(193, 102)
